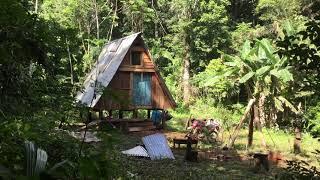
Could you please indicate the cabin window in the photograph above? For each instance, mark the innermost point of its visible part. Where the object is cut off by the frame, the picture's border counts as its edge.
(136, 58)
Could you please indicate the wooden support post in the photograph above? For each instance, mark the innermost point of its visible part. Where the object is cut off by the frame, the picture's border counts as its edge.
(120, 114)
(163, 120)
(135, 113)
(100, 114)
(110, 113)
(149, 113)
(90, 119)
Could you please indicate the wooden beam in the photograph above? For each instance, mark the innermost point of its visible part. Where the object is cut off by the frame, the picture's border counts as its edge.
(135, 129)
(136, 69)
(137, 48)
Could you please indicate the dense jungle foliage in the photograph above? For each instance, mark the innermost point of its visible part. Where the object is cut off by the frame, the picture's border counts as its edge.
(213, 54)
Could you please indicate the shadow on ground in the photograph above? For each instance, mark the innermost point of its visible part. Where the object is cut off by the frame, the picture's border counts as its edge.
(213, 162)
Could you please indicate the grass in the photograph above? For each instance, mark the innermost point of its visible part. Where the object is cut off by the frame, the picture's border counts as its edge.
(239, 166)
(141, 168)
(276, 140)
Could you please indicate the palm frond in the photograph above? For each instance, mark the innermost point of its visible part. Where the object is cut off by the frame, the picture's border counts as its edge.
(262, 70)
(288, 104)
(246, 77)
(245, 50)
(278, 104)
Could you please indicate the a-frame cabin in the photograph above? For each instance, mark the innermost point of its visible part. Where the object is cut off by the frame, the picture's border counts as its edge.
(125, 78)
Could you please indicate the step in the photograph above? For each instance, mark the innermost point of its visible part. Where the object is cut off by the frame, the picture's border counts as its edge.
(140, 124)
(137, 129)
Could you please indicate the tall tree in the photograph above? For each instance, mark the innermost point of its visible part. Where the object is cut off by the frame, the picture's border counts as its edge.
(197, 29)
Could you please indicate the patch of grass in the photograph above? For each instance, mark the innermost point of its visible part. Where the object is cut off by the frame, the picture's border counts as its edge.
(213, 169)
(142, 168)
(201, 110)
(277, 141)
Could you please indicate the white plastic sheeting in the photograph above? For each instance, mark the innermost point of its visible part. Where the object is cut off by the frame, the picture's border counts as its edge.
(136, 151)
(107, 65)
(157, 146)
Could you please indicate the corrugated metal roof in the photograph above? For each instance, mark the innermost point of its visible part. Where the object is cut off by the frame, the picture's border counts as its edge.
(157, 146)
(136, 151)
(107, 65)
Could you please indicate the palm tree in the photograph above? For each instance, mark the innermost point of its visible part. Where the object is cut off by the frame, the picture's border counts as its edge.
(265, 75)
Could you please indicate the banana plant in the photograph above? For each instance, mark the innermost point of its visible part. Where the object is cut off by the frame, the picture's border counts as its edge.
(262, 71)
(264, 74)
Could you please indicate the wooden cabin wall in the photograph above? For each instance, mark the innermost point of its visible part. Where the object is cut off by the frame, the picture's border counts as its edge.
(122, 81)
(159, 98)
(117, 95)
(146, 61)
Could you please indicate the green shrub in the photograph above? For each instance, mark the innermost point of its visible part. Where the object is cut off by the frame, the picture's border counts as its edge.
(313, 120)
(204, 109)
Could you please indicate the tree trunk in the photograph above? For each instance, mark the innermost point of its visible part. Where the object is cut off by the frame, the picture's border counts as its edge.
(97, 18)
(258, 124)
(262, 115)
(250, 133)
(186, 73)
(82, 40)
(70, 62)
(113, 19)
(272, 117)
(236, 131)
(36, 6)
(297, 141)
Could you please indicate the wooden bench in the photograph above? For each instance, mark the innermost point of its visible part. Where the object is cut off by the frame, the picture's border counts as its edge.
(182, 141)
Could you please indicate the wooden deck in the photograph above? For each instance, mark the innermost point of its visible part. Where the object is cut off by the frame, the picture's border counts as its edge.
(133, 125)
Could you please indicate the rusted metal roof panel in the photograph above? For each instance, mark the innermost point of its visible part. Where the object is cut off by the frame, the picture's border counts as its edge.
(107, 65)
(157, 147)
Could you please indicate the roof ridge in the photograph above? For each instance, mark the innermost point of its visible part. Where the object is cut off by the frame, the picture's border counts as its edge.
(134, 34)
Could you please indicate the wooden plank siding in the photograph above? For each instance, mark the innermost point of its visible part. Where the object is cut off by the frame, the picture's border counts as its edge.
(122, 84)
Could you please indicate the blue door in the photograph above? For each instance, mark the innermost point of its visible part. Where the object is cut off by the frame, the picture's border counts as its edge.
(141, 89)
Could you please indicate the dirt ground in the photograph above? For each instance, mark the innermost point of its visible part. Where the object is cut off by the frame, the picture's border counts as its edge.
(213, 162)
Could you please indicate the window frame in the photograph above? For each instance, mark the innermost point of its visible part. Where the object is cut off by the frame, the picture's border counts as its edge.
(141, 56)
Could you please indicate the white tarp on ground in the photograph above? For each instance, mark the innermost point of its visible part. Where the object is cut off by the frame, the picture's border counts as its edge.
(157, 146)
(136, 151)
